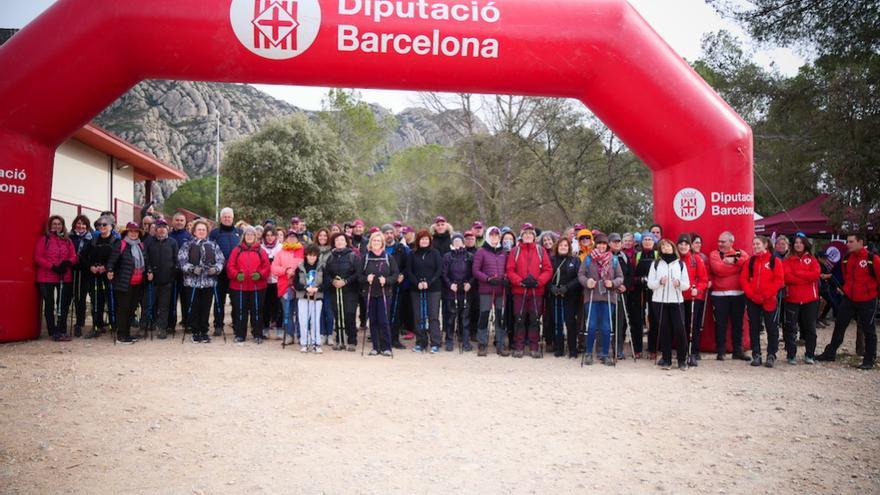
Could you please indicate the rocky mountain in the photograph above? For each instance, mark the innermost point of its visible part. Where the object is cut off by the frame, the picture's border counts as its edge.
(177, 122)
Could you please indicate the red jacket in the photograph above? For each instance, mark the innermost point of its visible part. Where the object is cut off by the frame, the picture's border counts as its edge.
(763, 284)
(247, 260)
(698, 274)
(726, 277)
(858, 284)
(52, 250)
(801, 278)
(526, 263)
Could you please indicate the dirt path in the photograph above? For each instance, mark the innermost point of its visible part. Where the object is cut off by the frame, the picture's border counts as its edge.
(161, 417)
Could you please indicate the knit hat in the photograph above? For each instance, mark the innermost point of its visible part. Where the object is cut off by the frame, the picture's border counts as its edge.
(387, 227)
(357, 222)
(373, 230)
(407, 229)
(584, 233)
(292, 232)
(579, 226)
(637, 236)
(601, 238)
(686, 238)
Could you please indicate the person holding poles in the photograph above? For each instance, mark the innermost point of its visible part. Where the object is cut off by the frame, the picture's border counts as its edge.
(861, 281)
(377, 273)
(201, 262)
(727, 297)
(162, 251)
(616, 244)
(600, 275)
(801, 305)
(457, 282)
(248, 270)
(54, 256)
(694, 297)
(284, 267)
(128, 269)
(400, 318)
(309, 283)
(640, 298)
(529, 269)
(96, 256)
(565, 296)
(181, 236)
(488, 270)
(341, 272)
(761, 280)
(80, 234)
(668, 280)
(424, 271)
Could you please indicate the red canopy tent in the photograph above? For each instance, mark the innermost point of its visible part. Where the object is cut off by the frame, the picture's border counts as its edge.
(807, 218)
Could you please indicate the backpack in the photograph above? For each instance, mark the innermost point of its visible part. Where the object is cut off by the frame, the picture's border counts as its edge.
(752, 265)
(588, 261)
(639, 256)
(540, 256)
(870, 264)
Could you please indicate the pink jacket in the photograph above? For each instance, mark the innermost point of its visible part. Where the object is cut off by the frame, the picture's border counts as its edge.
(52, 250)
(286, 258)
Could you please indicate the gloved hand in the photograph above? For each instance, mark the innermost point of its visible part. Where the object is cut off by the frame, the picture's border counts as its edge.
(256, 276)
(530, 282)
(57, 269)
(197, 270)
(240, 277)
(562, 290)
(213, 271)
(65, 265)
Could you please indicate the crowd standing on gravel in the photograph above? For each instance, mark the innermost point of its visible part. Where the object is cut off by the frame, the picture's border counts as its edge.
(578, 294)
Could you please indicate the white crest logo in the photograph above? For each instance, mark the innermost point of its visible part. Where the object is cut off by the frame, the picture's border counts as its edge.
(689, 204)
(863, 264)
(833, 254)
(275, 29)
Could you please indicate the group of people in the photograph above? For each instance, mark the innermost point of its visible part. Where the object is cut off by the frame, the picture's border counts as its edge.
(577, 293)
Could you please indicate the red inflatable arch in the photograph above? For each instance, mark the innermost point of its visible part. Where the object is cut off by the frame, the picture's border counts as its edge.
(80, 55)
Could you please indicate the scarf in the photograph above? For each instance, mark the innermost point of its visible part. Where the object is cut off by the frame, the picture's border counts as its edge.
(602, 260)
(271, 246)
(136, 254)
(291, 246)
(668, 258)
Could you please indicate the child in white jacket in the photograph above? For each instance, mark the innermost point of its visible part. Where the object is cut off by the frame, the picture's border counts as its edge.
(668, 279)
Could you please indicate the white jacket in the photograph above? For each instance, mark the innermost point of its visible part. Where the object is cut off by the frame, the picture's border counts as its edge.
(674, 271)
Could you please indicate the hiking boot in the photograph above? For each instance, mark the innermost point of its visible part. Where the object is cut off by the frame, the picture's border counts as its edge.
(664, 364)
(809, 360)
(792, 361)
(603, 359)
(588, 359)
(218, 331)
(386, 353)
(258, 340)
(196, 337)
(501, 351)
(163, 334)
(418, 349)
(398, 345)
(771, 360)
(756, 361)
(467, 348)
(238, 340)
(719, 356)
(825, 357)
(699, 356)
(450, 347)
(692, 360)
(481, 350)
(206, 339)
(337, 347)
(435, 349)
(682, 366)
(77, 331)
(866, 366)
(741, 356)
(351, 348)
(374, 352)
(63, 337)
(536, 354)
(518, 354)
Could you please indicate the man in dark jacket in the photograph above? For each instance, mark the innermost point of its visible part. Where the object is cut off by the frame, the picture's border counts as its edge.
(400, 314)
(180, 235)
(458, 279)
(226, 236)
(442, 237)
(640, 297)
(616, 244)
(162, 253)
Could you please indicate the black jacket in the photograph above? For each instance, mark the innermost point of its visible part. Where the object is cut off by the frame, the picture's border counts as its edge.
(121, 263)
(163, 259)
(565, 274)
(626, 268)
(425, 265)
(382, 265)
(342, 263)
(97, 252)
(641, 264)
(442, 242)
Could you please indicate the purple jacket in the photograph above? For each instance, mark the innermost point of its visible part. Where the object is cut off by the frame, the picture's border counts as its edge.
(489, 262)
(457, 269)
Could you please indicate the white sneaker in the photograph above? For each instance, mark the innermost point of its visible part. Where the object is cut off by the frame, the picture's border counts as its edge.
(318, 350)
(303, 349)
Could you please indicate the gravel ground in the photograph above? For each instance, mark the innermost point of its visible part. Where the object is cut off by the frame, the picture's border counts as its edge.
(164, 417)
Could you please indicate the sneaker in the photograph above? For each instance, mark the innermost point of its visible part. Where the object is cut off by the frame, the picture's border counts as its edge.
(77, 331)
(756, 361)
(468, 348)
(792, 361)
(692, 360)
(518, 354)
(501, 351)
(435, 349)
(809, 360)
(825, 357)
(386, 353)
(665, 365)
(398, 345)
(351, 348)
(771, 360)
(197, 337)
(450, 347)
(374, 352)
(125, 340)
(258, 340)
(418, 349)
(206, 339)
(588, 359)
(682, 366)
(318, 350)
(536, 354)
(481, 350)
(621, 356)
(303, 349)
(218, 332)
(866, 366)
(239, 340)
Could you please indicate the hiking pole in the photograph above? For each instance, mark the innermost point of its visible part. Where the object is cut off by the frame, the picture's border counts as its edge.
(618, 335)
(369, 294)
(58, 305)
(632, 347)
(172, 311)
(387, 325)
(150, 309)
(691, 330)
(455, 316)
(613, 339)
(286, 300)
(192, 298)
(217, 305)
(540, 322)
(112, 313)
(587, 328)
(70, 314)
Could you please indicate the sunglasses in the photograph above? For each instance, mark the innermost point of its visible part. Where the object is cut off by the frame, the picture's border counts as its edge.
(102, 224)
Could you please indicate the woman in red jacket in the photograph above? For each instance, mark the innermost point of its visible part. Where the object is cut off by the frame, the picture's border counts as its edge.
(802, 272)
(54, 256)
(529, 269)
(695, 297)
(761, 278)
(248, 271)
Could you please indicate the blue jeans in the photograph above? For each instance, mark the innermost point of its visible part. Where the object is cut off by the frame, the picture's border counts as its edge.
(288, 305)
(599, 320)
(327, 320)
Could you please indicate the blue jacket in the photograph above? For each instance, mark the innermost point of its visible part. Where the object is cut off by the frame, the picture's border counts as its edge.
(226, 239)
(181, 236)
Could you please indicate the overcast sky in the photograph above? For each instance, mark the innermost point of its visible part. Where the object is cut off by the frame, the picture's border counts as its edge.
(681, 23)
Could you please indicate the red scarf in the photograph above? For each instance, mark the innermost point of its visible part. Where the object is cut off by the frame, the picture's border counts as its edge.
(603, 260)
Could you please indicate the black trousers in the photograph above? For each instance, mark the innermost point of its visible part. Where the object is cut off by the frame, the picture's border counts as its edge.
(729, 309)
(220, 303)
(348, 303)
(758, 319)
(100, 290)
(199, 307)
(560, 323)
(457, 320)
(56, 316)
(803, 317)
(177, 294)
(863, 312)
(160, 305)
(634, 310)
(246, 307)
(693, 318)
(670, 323)
(271, 308)
(126, 303)
(82, 280)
